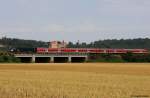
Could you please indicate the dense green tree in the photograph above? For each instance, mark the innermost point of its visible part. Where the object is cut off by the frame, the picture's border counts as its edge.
(9, 59)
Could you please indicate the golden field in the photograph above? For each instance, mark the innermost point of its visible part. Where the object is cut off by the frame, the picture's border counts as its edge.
(86, 80)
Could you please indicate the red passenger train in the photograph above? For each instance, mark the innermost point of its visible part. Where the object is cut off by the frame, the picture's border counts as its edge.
(90, 50)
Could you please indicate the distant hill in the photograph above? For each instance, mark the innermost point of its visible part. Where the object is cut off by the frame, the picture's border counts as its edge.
(14, 43)
(114, 43)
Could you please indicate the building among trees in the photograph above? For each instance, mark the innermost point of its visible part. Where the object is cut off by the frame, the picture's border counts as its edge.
(58, 44)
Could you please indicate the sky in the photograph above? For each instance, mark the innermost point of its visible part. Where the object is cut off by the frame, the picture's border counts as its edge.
(73, 20)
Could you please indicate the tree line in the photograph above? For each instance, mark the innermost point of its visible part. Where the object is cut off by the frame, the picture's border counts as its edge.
(114, 43)
(21, 43)
(128, 57)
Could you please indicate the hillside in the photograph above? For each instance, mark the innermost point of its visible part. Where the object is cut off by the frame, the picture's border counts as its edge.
(13, 42)
(114, 43)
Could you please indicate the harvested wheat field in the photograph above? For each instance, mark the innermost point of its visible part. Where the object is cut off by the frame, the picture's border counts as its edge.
(97, 80)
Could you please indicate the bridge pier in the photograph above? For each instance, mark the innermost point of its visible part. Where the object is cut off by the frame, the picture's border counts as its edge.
(86, 59)
(33, 59)
(69, 59)
(51, 59)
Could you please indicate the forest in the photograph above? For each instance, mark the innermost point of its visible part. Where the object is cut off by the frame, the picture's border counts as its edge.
(114, 43)
(109, 43)
(21, 43)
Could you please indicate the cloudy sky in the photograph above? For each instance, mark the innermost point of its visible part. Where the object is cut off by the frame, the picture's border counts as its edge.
(72, 20)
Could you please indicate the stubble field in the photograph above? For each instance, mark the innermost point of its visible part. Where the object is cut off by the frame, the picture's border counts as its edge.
(87, 80)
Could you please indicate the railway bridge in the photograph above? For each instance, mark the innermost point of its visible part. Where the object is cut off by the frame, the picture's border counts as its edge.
(64, 55)
(52, 58)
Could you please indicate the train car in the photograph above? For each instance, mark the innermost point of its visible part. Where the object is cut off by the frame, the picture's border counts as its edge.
(110, 50)
(120, 51)
(69, 50)
(82, 50)
(53, 50)
(41, 50)
(136, 51)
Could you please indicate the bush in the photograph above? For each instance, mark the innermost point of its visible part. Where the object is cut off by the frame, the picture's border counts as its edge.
(129, 57)
(106, 58)
(1, 59)
(9, 59)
